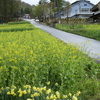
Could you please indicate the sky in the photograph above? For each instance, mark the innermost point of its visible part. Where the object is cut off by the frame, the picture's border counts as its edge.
(35, 2)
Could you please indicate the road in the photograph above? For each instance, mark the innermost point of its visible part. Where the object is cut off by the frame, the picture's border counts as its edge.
(90, 46)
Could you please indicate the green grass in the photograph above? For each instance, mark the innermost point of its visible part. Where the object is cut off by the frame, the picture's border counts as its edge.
(87, 30)
(16, 26)
(35, 58)
(21, 22)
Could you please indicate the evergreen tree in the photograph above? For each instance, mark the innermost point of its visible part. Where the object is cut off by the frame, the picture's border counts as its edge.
(8, 8)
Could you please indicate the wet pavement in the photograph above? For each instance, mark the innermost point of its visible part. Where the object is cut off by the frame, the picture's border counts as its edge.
(90, 46)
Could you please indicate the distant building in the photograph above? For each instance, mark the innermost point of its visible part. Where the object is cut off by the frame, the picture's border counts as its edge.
(96, 12)
(27, 16)
(79, 9)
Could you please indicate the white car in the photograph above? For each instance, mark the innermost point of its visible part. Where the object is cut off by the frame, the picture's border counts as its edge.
(36, 20)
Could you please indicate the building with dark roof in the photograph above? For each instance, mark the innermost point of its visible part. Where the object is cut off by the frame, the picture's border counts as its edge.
(79, 9)
(96, 12)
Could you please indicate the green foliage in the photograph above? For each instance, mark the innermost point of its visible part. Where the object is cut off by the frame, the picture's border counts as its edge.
(16, 26)
(28, 10)
(67, 9)
(87, 30)
(35, 57)
(8, 9)
(39, 11)
(21, 22)
(28, 92)
(25, 8)
(57, 3)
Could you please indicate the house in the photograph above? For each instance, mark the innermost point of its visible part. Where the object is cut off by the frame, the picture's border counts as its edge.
(96, 12)
(27, 16)
(79, 9)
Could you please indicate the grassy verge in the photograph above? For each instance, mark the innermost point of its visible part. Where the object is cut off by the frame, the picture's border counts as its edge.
(89, 30)
(34, 59)
(16, 26)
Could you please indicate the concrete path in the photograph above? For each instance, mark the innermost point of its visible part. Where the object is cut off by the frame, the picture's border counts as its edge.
(91, 46)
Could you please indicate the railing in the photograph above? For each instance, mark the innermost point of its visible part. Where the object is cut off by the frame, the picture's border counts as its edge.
(96, 12)
(84, 12)
(79, 12)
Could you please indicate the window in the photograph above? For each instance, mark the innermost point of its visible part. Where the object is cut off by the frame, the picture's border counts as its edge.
(85, 9)
(85, 4)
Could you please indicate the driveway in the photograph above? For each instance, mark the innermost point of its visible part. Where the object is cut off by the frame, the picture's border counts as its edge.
(91, 46)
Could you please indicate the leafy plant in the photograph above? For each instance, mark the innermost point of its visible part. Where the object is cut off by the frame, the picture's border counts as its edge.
(87, 30)
(35, 57)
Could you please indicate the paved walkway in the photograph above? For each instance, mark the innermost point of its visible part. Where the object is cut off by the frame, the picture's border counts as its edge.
(91, 46)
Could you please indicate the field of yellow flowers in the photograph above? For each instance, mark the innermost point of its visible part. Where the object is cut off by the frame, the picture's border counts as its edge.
(37, 66)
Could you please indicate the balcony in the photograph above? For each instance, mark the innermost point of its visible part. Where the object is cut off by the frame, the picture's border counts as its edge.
(97, 12)
(84, 12)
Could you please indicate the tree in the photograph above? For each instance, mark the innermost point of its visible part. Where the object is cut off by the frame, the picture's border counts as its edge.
(67, 9)
(26, 8)
(39, 11)
(57, 6)
(42, 10)
(14, 8)
(57, 3)
(42, 1)
(8, 8)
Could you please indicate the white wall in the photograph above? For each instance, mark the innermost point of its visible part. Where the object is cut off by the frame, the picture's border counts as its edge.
(76, 8)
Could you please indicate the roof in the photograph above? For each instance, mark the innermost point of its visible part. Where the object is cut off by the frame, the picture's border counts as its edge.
(97, 6)
(82, 0)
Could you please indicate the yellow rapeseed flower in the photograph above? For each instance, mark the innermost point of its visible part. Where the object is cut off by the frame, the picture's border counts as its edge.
(20, 92)
(13, 93)
(20, 95)
(8, 93)
(57, 94)
(48, 91)
(31, 52)
(44, 88)
(48, 83)
(78, 93)
(70, 94)
(29, 91)
(27, 86)
(12, 90)
(47, 98)
(34, 88)
(53, 96)
(56, 84)
(1, 58)
(29, 99)
(35, 95)
(74, 98)
(64, 96)
(24, 92)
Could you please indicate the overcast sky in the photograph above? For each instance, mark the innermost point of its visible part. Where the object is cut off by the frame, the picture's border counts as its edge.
(35, 2)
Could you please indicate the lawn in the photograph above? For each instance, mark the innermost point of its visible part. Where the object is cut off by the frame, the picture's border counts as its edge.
(37, 66)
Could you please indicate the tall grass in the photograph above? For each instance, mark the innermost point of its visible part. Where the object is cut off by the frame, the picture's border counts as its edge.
(87, 30)
(38, 59)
